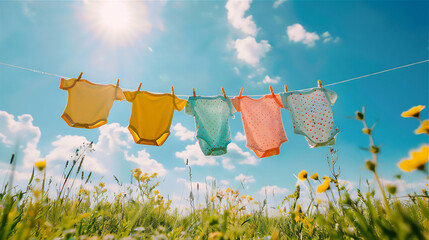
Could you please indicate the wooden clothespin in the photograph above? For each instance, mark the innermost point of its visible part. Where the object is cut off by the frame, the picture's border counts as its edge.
(193, 91)
(285, 88)
(80, 75)
(272, 92)
(138, 89)
(241, 92)
(117, 83)
(223, 91)
(172, 90)
(319, 83)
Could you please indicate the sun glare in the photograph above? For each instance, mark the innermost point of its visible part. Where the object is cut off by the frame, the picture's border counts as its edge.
(117, 22)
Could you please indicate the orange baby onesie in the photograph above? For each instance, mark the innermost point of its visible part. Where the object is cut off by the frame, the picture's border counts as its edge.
(262, 123)
(151, 116)
(88, 104)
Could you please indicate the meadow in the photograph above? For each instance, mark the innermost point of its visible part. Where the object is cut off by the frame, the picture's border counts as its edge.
(141, 212)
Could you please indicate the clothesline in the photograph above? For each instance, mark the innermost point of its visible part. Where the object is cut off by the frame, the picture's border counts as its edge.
(260, 95)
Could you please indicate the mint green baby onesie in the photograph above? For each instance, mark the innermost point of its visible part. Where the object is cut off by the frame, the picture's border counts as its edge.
(211, 120)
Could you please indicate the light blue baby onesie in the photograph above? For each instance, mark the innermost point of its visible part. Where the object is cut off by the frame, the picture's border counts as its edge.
(211, 120)
(312, 115)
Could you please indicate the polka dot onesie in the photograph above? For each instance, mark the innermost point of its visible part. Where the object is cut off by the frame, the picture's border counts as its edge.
(312, 115)
(262, 123)
(211, 119)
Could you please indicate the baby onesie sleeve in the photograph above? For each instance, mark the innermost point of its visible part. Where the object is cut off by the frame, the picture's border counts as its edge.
(129, 95)
(179, 103)
(283, 97)
(119, 94)
(189, 108)
(332, 96)
(236, 103)
(66, 84)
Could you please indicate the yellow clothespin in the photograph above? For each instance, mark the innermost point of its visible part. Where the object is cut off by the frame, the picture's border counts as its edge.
(138, 89)
(223, 91)
(241, 92)
(319, 83)
(117, 83)
(80, 75)
(285, 88)
(172, 90)
(272, 92)
(193, 91)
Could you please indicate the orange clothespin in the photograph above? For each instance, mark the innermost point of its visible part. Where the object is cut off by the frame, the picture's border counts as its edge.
(172, 90)
(223, 91)
(272, 92)
(319, 83)
(138, 89)
(193, 91)
(117, 83)
(285, 88)
(241, 92)
(80, 75)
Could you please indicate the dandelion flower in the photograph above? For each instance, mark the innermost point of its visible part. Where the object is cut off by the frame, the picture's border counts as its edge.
(302, 175)
(424, 128)
(417, 160)
(36, 193)
(243, 196)
(101, 184)
(40, 164)
(156, 192)
(413, 112)
(315, 177)
(324, 186)
(212, 199)
(249, 198)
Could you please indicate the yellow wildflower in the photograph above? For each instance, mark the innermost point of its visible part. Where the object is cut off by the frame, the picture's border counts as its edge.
(153, 175)
(85, 215)
(298, 208)
(324, 186)
(255, 202)
(215, 235)
(249, 198)
(413, 112)
(101, 184)
(318, 201)
(424, 128)
(36, 193)
(315, 177)
(228, 190)
(138, 170)
(297, 218)
(417, 160)
(136, 176)
(243, 196)
(156, 192)
(367, 131)
(143, 178)
(302, 175)
(40, 164)
(212, 199)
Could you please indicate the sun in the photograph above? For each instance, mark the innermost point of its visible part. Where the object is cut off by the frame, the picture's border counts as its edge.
(117, 22)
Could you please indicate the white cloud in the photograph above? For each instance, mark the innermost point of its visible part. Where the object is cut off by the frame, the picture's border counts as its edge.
(237, 154)
(145, 163)
(201, 186)
(240, 137)
(195, 156)
(179, 169)
(250, 51)
(278, 3)
(210, 179)
(327, 37)
(245, 179)
(272, 190)
(226, 163)
(224, 182)
(337, 40)
(65, 147)
(236, 10)
(237, 71)
(268, 80)
(182, 132)
(297, 33)
(21, 131)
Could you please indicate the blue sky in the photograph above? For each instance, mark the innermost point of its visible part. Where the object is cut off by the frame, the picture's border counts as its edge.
(207, 45)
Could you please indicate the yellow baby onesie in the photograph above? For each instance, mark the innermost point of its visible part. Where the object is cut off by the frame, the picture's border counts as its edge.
(88, 104)
(151, 116)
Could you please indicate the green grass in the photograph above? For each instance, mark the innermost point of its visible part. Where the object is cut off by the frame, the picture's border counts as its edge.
(140, 212)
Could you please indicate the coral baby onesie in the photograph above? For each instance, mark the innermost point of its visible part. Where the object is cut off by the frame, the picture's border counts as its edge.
(151, 116)
(262, 123)
(88, 104)
(211, 119)
(312, 115)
